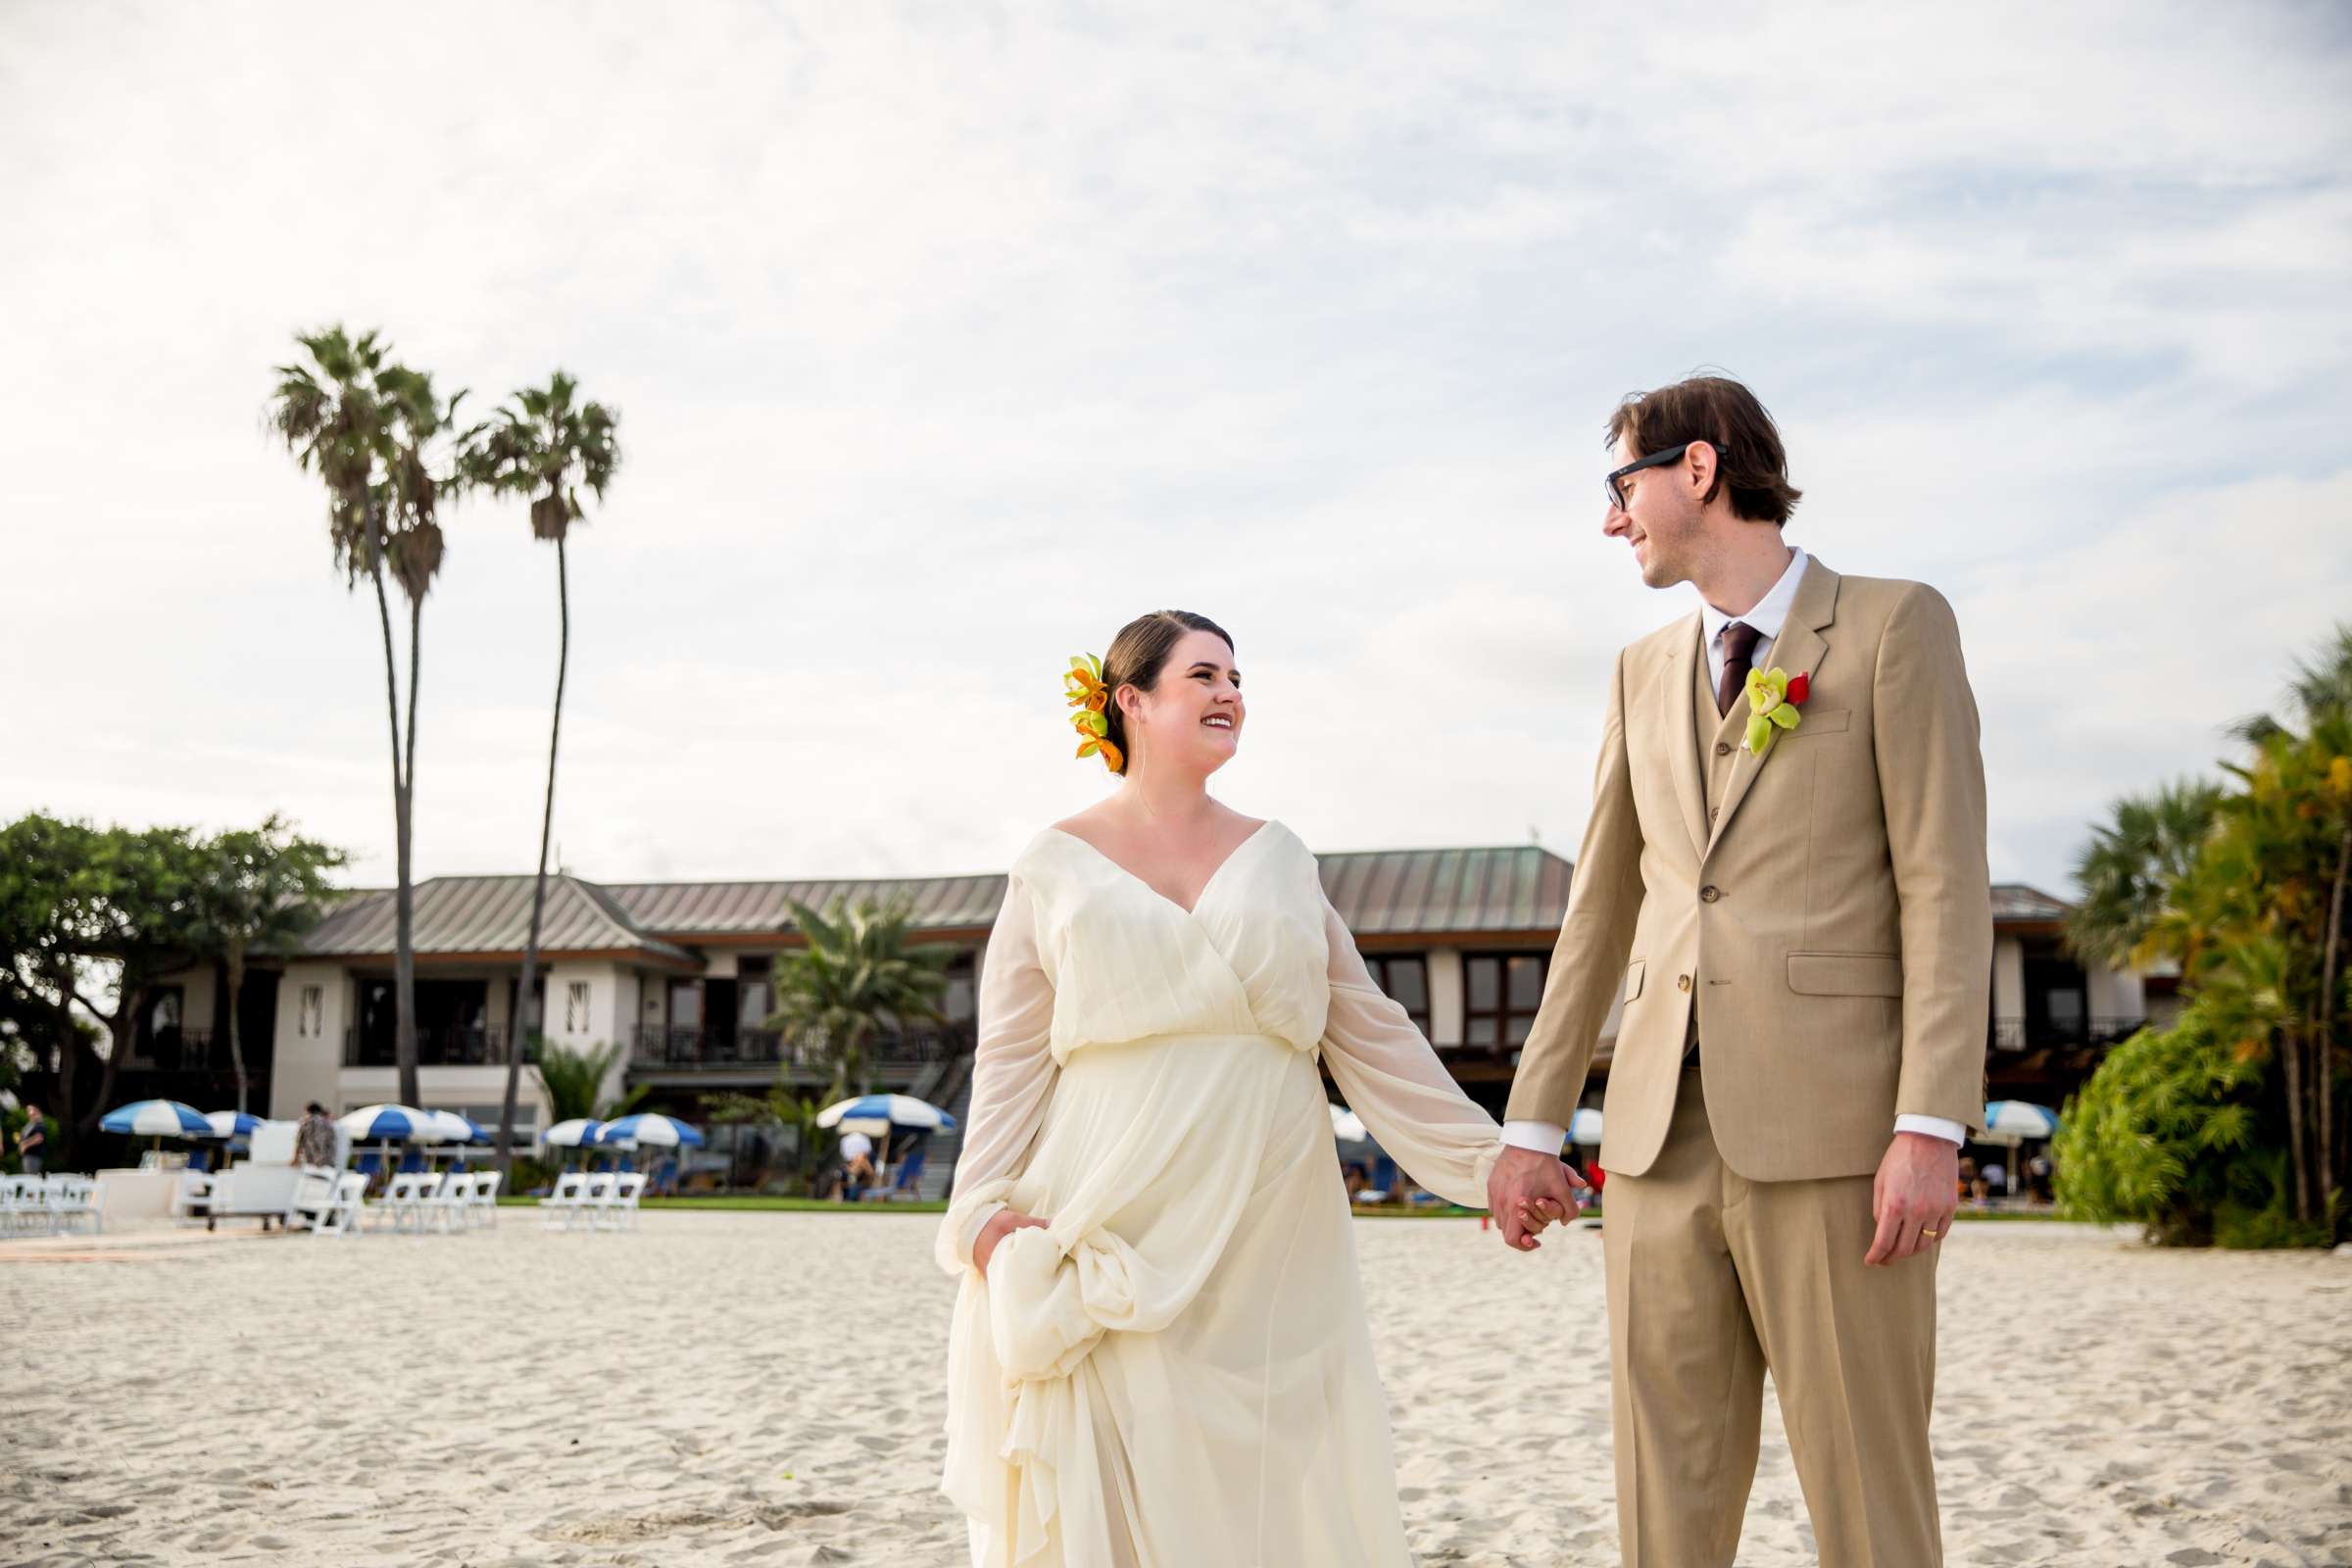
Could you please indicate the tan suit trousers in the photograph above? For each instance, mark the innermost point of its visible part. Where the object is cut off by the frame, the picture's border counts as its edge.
(1713, 1281)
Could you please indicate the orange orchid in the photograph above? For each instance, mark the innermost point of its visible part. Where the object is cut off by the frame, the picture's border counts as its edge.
(1083, 685)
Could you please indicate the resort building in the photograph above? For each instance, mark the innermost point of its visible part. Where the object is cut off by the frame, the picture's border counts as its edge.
(678, 975)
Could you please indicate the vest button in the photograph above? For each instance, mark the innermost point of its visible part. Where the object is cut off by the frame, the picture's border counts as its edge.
(1714, 811)
(1723, 748)
(1709, 893)
(1682, 982)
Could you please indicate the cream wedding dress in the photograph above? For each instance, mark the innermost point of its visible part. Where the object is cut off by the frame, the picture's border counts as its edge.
(1177, 1372)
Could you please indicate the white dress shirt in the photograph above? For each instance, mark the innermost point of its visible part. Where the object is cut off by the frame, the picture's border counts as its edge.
(1768, 615)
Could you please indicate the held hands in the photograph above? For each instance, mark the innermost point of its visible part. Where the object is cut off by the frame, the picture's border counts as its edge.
(1528, 1191)
(1913, 1199)
(1003, 1223)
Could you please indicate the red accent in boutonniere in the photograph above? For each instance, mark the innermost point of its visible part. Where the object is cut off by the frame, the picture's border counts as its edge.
(1798, 686)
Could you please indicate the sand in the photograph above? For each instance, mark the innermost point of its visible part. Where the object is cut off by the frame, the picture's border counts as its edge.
(728, 1388)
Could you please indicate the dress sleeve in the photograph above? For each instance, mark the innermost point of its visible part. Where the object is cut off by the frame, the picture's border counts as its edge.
(1012, 1071)
(1391, 1078)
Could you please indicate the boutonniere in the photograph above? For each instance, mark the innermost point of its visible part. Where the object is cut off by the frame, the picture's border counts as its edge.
(1774, 697)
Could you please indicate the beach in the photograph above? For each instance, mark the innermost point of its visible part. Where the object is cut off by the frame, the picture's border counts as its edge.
(762, 1388)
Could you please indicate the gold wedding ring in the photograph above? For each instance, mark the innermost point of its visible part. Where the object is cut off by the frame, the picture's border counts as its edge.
(1923, 1231)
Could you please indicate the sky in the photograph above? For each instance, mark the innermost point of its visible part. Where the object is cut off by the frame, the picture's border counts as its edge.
(946, 339)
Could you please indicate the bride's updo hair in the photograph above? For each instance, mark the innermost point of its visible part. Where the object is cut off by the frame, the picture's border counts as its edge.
(1136, 656)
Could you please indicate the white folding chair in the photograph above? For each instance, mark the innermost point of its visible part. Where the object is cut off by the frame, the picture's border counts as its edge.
(591, 1211)
(482, 1209)
(23, 1206)
(404, 1200)
(618, 1209)
(73, 1202)
(560, 1207)
(444, 1207)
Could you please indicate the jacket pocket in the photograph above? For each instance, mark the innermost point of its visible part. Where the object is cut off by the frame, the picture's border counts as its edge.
(1846, 975)
(1632, 979)
(1829, 721)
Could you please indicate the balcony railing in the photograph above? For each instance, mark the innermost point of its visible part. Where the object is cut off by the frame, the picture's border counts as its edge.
(695, 1047)
(2032, 1034)
(442, 1045)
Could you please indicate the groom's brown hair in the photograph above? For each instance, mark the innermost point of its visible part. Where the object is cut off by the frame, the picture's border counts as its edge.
(1720, 412)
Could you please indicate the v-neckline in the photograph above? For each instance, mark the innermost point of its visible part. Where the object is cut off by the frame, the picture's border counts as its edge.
(1198, 898)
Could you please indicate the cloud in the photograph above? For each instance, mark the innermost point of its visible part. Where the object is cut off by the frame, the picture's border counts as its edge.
(946, 339)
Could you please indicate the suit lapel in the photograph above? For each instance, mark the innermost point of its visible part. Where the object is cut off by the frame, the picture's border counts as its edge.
(1682, 721)
(1799, 649)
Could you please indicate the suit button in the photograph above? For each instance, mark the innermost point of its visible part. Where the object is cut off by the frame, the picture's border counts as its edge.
(1710, 894)
(1682, 982)
(1723, 748)
(1714, 811)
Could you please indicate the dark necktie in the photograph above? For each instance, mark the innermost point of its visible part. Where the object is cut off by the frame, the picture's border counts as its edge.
(1740, 641)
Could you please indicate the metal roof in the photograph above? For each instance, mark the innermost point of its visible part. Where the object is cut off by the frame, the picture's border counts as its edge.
(487, 914)
(2014, 900)
(1438, 892)
(712, 909)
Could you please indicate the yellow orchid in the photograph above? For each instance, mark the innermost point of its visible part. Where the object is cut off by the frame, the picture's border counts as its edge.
(1083, 685)
(1773, 699)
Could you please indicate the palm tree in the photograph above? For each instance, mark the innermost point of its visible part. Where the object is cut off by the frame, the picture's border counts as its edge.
(2128, 871)
(263, 890)
(857, 980)
(2320, 686)
(364, 424)
(573, 1079)
(543, 446)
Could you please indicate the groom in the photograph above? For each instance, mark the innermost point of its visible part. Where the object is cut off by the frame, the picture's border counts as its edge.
(1795, 907)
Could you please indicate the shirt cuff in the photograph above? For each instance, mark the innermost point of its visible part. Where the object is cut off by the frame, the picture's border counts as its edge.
(1951, 1132)
(1543, 1137)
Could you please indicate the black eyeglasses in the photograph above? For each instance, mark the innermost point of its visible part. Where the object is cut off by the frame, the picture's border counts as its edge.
(1653, 460)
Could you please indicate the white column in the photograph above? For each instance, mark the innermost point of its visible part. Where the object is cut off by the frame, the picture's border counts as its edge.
(1445, 997)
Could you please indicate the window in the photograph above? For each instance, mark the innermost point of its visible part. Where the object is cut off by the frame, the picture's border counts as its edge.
(576, 1007)
(1503, 990)
(311, 1022)
(1404, 978)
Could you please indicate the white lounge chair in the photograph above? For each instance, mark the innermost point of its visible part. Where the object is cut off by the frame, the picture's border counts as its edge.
(616, 1209)
(330, 1201)
(192, 1196)
(483, 1207)
(560, 1209)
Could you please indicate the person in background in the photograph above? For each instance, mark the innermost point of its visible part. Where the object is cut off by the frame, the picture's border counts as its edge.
(857, 1165)
(32, 1140)
(315, 1141)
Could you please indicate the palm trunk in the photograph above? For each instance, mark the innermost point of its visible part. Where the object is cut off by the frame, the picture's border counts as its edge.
(68, 1057)
(404, 958)
(403, 1012)
(2290, 1049)
(236, 1039)
(526, 1000)
(2330, 1177)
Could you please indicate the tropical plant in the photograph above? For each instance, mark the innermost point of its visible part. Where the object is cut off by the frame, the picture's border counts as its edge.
(784, 1110)
(371, 429)
(2130, 864)
(857, 979)
(261, 890)
(574, 1082)
(2257, 922)
(543, 445)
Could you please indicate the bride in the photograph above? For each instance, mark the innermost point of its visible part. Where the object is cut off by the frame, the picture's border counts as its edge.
(1160, 1357)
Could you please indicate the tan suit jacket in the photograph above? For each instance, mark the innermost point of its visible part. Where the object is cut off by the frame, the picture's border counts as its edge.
(1832, 925)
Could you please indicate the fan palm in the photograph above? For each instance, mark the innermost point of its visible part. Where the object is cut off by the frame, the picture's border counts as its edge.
(2128, 871)
(857, 980)
(544, 445)
(366, 426)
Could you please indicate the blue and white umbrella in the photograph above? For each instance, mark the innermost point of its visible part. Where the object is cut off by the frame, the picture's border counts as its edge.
(879, 1113)
(157, 1118)
(649, 1129)
(232, 1123)
(1585, 1128)
(459, 1128)
(394, 1124)
(2017, 1121)
(1347, 1127)
(571, 1134)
